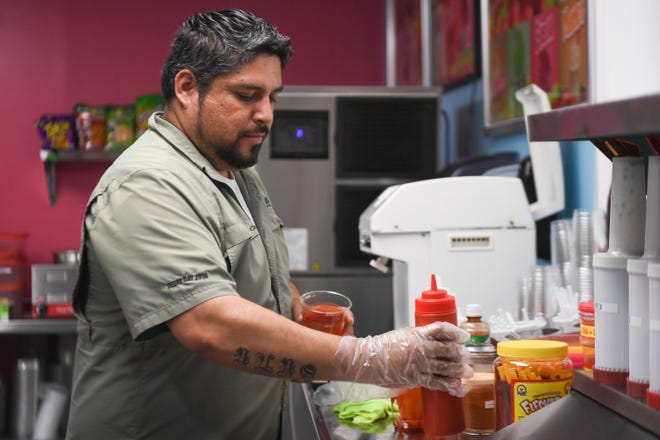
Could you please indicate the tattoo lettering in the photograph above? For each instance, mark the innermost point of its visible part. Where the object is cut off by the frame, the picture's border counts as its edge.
(308, 371)
(287, 368)
(263, 362)
(242, 356)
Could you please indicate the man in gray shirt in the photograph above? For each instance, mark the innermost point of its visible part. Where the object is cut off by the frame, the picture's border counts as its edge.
(186, 314)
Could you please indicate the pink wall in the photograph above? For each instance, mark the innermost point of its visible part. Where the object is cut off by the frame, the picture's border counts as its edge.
(56, 53)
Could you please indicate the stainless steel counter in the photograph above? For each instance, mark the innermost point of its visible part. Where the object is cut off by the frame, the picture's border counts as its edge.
(306, 421)
(590, 411)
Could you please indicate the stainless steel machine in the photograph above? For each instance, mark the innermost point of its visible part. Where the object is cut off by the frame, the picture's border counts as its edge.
(330, 152)
(52, 290)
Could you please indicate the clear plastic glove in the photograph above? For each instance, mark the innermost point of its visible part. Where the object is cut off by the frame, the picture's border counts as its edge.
(430, 356)
(334, 392)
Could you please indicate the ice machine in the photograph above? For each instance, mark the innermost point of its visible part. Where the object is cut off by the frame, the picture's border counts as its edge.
(476, 233)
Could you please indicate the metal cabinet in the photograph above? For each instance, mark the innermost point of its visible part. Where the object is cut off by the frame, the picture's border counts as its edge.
(50, 341)
(594, 410)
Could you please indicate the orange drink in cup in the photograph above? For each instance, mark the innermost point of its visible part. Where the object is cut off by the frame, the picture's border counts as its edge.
(324, 310)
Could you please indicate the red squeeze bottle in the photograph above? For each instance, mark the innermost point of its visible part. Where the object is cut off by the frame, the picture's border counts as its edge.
(443, 413)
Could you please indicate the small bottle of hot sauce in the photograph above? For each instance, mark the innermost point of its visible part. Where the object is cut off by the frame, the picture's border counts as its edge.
(479, 330)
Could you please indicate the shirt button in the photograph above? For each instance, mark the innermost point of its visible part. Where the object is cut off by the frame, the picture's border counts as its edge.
(252, 228)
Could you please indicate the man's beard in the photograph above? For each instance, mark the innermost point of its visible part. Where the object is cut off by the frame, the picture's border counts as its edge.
(230, 153)
(232, 156)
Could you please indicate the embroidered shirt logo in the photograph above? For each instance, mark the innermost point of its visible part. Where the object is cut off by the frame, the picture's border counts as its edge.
(186, 278)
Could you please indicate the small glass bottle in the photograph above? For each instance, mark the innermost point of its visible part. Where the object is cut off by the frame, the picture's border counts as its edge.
(479, 330)
(529, 375)
(479, 402)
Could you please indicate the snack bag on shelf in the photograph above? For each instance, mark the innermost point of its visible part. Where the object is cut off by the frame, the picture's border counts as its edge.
(144, 107)
(56, 132)
(91, 127)
(121, 127)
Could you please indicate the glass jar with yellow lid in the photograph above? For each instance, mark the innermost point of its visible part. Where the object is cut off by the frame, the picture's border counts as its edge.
(529, 375)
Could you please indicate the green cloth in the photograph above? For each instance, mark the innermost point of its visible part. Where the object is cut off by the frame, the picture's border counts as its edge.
(371, 415)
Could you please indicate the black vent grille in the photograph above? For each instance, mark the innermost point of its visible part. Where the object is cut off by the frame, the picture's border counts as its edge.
(387, 137)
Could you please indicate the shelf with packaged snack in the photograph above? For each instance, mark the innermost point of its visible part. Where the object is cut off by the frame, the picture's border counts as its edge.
(50, 158)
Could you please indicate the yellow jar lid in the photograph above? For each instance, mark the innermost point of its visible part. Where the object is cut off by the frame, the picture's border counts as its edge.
(533, 348)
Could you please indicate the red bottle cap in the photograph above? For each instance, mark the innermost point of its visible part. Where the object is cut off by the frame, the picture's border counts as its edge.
(586, 306)
(435, 300)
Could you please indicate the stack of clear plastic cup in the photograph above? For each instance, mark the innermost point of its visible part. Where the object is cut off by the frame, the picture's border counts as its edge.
(560, 248)
(585, 283)
(525, 302)
(538, 292)
(583, 237)
(560, 242)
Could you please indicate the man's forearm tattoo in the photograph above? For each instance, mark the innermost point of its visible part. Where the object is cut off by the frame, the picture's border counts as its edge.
(268, 364)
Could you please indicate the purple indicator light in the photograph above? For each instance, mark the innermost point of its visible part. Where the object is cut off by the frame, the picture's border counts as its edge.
(300, 133)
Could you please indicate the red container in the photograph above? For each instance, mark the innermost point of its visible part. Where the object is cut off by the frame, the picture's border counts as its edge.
(653, 399)
(410, 416)
(443, 413)
(587, 333)
(12, 245)
(12, 297)
(12, 272)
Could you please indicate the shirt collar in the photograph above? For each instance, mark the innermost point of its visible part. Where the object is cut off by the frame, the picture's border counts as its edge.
(180, 142)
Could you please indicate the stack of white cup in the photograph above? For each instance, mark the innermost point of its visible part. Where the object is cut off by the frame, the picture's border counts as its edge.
(626, 241)
(638, 287)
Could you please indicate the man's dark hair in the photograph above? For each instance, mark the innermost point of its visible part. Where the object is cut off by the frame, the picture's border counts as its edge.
(220, 42)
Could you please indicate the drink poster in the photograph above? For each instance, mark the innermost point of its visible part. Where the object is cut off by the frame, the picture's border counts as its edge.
(455, 41)
(498, 86)
(545, 52)
(408, 25)
(573, 52)
(532, 41)
(518, 66)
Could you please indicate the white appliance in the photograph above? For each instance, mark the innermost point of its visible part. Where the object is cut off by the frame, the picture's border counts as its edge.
(476, 233)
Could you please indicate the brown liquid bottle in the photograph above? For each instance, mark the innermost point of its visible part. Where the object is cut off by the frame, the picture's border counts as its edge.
(443, 413)
(479, 330)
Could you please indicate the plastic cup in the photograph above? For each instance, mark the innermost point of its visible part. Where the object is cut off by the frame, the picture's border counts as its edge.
(324, 310)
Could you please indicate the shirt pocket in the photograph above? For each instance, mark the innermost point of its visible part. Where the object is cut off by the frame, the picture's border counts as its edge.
(272, 223)
(237, 237)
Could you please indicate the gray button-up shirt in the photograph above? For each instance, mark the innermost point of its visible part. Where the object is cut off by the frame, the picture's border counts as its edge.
(160, 236)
